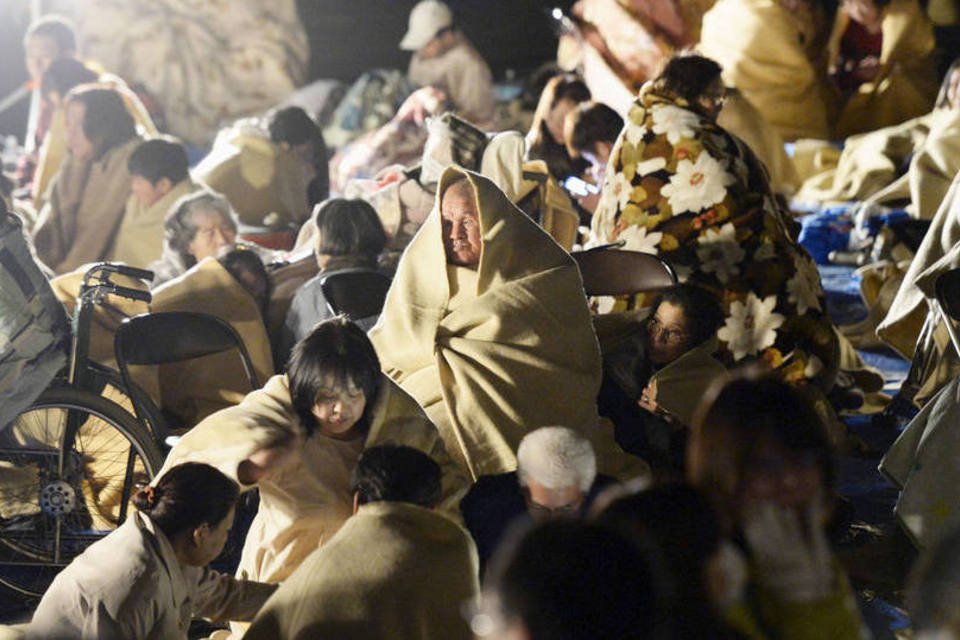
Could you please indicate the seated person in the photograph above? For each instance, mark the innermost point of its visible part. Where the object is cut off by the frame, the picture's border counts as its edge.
(698, 198)
(149, 578)
(909, 164)
(491, 341)
(776, 57)
(590, 131)
(444, 59)
(299, 438)
(545, 140)
(882, 59)
(89, 193)
(160, 176)
(197, 226)
(761, 455)
(234, 287)
(556, 476)
(272, 170)
(396, 570)
(350, 238)
(654, 377)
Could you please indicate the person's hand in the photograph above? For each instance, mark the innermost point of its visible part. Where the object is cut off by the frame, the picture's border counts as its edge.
(648, 397)
(791, 553)
(421, 104)
(589, 202)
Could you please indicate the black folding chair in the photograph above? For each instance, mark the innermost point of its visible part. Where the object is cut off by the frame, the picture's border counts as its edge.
(608, 271)
(359, 294)
(163, 338)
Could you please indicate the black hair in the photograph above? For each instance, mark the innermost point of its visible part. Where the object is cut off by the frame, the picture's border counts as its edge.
(58, 28)
(701, 308)
(683, 526)
(248, 269)
(337, 348)
(293, 126)
(179, 229)
(64, 74)
(566, 580)
(188, 496)
(158, 158)
(106, 121)
(688, 76)
(589, 124)
(349, 227)
(395, 473)
(563, 86)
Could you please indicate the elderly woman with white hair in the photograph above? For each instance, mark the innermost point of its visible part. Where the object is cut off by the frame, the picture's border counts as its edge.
(556, 477)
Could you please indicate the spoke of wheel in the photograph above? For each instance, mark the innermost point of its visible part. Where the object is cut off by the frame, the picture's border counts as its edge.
(127, 486)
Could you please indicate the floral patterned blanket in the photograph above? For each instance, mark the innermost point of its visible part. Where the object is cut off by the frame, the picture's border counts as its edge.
(681, 187)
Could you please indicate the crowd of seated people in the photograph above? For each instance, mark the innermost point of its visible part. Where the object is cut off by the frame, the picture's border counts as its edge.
(490, 453)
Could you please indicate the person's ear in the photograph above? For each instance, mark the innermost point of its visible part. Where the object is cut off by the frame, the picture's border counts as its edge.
(163, 186)
(602, 151)
(199, 535)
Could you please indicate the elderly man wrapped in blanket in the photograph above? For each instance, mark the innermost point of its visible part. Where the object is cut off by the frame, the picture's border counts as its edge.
(487, 326)
(298, 439)
(681, 187)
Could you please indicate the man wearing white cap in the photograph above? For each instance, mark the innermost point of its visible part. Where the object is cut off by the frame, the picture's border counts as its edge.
(445, 59)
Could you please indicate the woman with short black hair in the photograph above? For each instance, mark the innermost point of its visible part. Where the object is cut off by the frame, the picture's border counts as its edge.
(148, 578)
(350, 239)
(299, 437)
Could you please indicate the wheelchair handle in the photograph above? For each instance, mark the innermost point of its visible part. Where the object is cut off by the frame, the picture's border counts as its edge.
(95, 291)
(101, 271)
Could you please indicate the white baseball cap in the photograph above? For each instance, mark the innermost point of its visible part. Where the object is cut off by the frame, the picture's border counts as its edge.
(426, 20)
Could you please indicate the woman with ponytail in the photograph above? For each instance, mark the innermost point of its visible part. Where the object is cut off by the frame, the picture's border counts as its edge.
(149, 578)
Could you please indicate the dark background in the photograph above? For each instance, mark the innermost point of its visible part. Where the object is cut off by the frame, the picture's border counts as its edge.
(348, 37)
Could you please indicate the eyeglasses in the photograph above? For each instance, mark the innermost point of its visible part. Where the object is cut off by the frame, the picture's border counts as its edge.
(670, 335)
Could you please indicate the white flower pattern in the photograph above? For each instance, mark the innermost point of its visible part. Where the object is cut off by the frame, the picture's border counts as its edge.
(697, 185)
(638, 239)
(616, 193)
(751, 326)
(803, 289)
(720, 253)
(675, 122)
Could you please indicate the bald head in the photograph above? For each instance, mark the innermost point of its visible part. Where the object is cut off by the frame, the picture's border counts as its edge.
(460, 220)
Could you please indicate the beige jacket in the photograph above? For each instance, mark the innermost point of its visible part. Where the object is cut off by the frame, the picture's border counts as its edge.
(139, 240)
(423, 570)
(131, 585)
(86, 205)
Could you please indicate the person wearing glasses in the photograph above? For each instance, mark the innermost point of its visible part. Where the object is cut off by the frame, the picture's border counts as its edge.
(556, 477)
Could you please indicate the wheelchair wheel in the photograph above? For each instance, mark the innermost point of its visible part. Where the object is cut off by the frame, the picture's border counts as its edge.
(69, 465)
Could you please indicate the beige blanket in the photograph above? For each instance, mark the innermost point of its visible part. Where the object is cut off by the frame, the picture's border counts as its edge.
(776, 58)
(194, 389)
(906, 83)
(139, 239)
(305, 503)
(83, 213)
(412, 588)
(516, 352)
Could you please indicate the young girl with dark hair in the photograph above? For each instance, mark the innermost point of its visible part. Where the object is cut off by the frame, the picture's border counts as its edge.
(299, 438)
(148, 578)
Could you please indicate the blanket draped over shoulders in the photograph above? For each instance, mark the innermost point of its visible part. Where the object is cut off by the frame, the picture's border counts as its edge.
(304, 503)
(681, 187)
(493, 354)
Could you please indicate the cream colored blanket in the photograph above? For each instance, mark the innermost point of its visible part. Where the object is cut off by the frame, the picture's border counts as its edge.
(423, 571)
(516, 353)
(196, 388)
(305, 503)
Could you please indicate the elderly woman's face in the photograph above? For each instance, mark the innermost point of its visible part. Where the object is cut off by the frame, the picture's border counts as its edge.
(460, 222)
(213, 233)
(77, 142)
